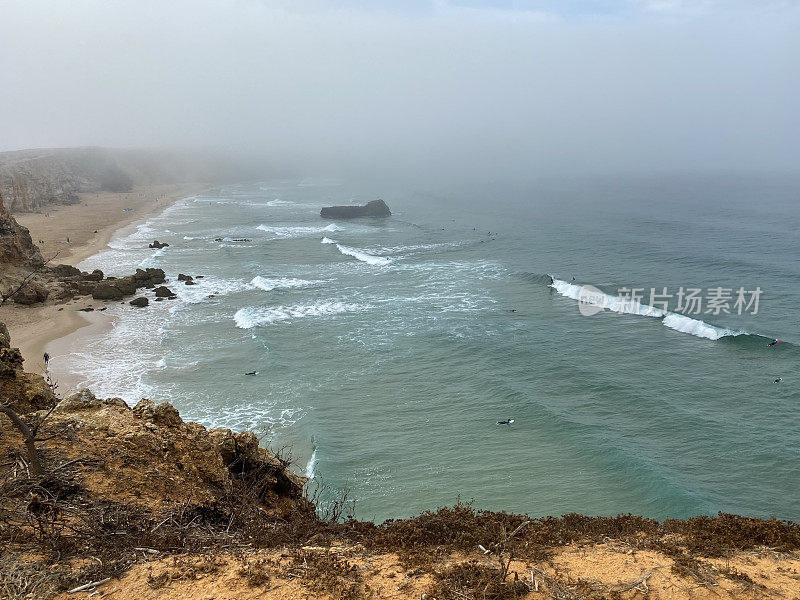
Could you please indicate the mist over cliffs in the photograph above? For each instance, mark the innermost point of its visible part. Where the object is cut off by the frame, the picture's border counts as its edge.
(31, 180)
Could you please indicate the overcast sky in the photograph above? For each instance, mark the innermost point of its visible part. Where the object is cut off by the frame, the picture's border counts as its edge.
(506, 87)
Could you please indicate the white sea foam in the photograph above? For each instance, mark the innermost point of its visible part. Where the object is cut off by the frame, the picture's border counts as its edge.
(363, 256)
(278, 202)
(252, 316)
(311, 464)
(382, 250)
(696, 327)
(189, 237)
(327, 240)
(281, 283)
(203, 288)
(298, 231)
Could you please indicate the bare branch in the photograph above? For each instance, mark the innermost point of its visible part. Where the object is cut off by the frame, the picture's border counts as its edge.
(26, 280)
(28, 436)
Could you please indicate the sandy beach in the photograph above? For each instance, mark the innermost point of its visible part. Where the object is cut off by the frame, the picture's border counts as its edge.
(68, 235)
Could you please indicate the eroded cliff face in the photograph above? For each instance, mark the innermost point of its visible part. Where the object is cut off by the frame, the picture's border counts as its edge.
(16, 246)
(31, 180)
(24, 392)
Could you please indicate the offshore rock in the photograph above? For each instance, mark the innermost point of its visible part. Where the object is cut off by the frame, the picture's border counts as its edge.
(164, 292)
(375, 208)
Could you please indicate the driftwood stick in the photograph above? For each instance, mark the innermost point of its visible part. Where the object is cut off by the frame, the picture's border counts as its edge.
(88, 586)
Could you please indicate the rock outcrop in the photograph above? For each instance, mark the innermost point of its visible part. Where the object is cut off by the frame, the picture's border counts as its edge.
(375, 208)
(24, 392)
(148, 455)
(164, 292)
(16, 246)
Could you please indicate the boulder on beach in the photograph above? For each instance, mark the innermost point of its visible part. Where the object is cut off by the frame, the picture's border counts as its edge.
(96, 275)
(107, 290)
(375, 208)
(139, 302)
(65, 271)
(31, 292)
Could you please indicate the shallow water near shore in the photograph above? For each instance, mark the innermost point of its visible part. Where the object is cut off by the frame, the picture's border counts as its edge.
(387, 349)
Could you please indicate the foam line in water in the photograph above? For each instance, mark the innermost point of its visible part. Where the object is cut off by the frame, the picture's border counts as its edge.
(253, 316)
(298, 231)
(327, 240)
(281, 283)
(363, 256)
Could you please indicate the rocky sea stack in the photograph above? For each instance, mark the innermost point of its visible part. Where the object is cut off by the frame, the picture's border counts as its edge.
(375, 208)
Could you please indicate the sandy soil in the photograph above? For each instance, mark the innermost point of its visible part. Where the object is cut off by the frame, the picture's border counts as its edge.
(88, 226)
(598, 571)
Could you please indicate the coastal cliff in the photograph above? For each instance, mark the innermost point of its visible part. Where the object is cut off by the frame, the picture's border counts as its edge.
(33, 180)
(16, 246)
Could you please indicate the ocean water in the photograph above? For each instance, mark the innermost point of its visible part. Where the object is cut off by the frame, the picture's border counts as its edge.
(387, 349)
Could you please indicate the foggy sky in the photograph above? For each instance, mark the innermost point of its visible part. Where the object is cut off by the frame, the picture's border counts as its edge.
(504, 87)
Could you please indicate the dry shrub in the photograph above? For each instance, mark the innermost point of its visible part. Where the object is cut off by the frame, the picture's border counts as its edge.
(700, 571)
(256, 572)
(715, 536)
(325, 573)
(22, 580)
(475, 582)
(185, 567)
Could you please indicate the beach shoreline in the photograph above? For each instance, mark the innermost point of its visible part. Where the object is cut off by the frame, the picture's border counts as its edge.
(68, 235)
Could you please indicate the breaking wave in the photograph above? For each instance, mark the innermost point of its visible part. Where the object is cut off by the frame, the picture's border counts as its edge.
(696, 327)
(675, 321)
(363, 256)
(606, 301)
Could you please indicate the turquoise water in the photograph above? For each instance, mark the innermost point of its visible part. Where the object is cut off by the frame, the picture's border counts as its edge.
(386, 350)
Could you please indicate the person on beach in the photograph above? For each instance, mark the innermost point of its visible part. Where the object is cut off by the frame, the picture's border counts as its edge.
(46, 359)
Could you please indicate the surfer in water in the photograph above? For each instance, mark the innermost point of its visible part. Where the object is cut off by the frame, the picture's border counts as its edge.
(506, 422)
(252, 373)
(774, 342)
(778, 380)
